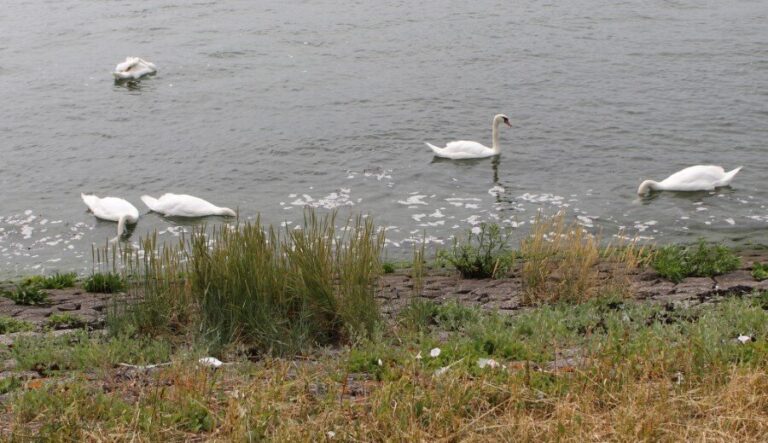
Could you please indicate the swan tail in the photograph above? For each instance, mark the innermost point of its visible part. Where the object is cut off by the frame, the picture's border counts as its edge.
(434, 148)
(729, 176)
(152, 203)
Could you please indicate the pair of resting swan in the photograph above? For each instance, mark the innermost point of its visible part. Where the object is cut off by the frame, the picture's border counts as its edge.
(170, 205)
(693, 178)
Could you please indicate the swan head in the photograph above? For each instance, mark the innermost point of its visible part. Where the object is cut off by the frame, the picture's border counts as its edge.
(227, 212)
(501, 118)
(646, 186)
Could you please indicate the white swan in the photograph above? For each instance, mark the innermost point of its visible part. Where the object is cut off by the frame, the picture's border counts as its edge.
(465, 149)
(182, 205)
(693, 178)
(112, 209)
(133, 68)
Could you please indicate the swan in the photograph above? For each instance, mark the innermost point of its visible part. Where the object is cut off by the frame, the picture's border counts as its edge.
(465, 149)
(112, 209)
(693, 178)
(182, 205)
(133, 68)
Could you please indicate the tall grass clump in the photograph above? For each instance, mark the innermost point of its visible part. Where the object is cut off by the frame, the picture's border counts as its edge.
(277, 291)
(560, 262)
(677, 262)
(484, 254)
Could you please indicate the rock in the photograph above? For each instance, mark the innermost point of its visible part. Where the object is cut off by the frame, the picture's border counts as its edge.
(68, 307)
(737, 282)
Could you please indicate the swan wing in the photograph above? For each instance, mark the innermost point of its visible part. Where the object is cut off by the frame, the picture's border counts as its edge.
(463, 149)
(694, 178)
(111, 208)
(183, 205)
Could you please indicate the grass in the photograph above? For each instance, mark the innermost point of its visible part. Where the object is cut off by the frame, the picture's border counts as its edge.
(606, 369)
(759, 271)
(560, 262)
(55, 281)
(27, 295)
(274, 291)
(9, 325)
(109, 282)
(676, 262)
(64, 320)
(484, 254)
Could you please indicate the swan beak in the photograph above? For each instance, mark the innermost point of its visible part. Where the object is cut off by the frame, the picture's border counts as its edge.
(506, 122)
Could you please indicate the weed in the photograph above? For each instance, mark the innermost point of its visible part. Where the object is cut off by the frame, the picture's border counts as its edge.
(677, 262)
(64, 321)
(483, 254)
(104, 283)
(759, 271)
(10, 325)
(27, 295)
(419, 314)
(9, 384)
(388, 268)
(55, 281)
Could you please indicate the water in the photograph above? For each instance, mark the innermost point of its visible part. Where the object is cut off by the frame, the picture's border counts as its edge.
(271, 106)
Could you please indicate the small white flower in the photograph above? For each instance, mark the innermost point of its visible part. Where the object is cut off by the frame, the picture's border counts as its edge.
(418, 356)
(381, 363)
(211, 362)
(331, 434)
(487, 362)
(434, 353)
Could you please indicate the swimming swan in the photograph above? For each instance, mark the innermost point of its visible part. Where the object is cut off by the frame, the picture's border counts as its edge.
(133, 68)
(465, 149)
(693, 178)
(182, 205)
(112, 209)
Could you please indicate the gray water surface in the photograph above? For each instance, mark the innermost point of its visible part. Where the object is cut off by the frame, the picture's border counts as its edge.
(272, 106)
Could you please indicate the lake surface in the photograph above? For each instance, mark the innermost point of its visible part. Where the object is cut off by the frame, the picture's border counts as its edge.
(271, 106)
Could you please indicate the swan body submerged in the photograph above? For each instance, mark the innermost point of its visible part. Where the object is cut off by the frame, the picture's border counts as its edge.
(133, 68)
(693, 178)
(112, 209)
(182, 205)
(463, 149)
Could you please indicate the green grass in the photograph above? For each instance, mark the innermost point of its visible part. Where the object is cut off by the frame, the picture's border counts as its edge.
(27, 295)
(64, 321)
(276, 291)
(79, 350)
(55, 281)
(110, 282)
(10, 325)
(481, 255)
(759, 271)
(677, 262)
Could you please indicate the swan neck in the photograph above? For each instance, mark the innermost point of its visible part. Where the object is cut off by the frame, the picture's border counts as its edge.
(495, 135)
(648, 185)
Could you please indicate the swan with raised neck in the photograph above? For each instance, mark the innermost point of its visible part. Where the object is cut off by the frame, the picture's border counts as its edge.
(463, 149)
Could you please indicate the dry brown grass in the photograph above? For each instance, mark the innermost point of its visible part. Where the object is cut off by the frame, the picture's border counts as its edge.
(560, 262)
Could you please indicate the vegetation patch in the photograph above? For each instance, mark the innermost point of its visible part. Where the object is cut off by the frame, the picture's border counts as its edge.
(109, 282)
(55, 281)
(677, 262)
(9, 325)
(27, 295)
(275, 291)
(65, 321)
(483, 254)
(759, 271)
